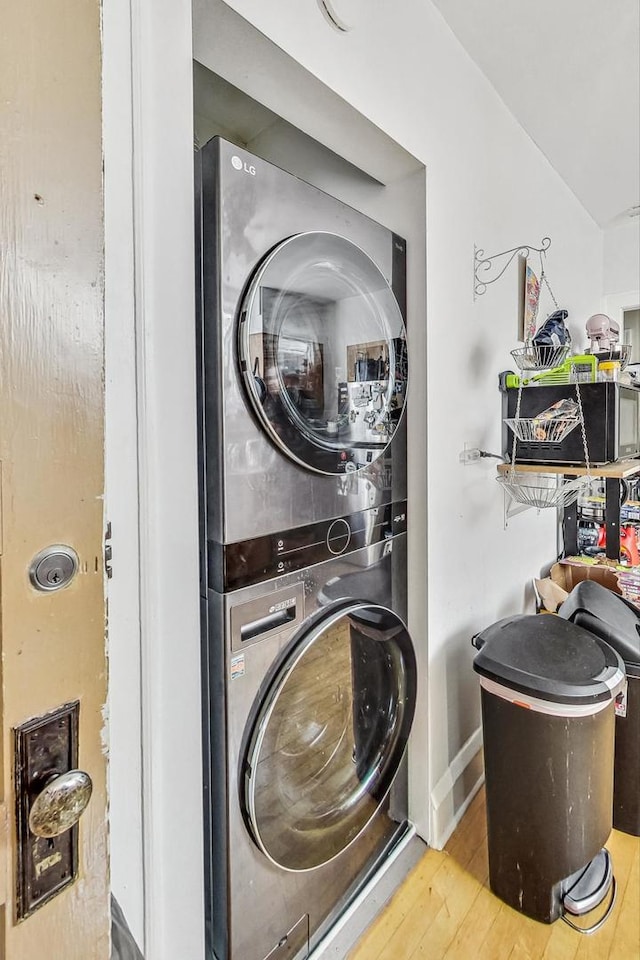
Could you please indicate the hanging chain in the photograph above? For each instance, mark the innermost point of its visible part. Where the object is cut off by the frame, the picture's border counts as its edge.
(517, 417)
(543, 279)
(583, 431)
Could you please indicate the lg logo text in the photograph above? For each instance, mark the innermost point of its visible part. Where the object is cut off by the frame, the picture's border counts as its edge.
(239, 164)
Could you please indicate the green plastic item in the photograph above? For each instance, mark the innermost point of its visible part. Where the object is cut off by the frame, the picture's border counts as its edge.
(581, 368)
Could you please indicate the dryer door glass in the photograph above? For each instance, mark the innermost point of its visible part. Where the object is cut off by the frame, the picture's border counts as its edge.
(329, 736)
(323, 352)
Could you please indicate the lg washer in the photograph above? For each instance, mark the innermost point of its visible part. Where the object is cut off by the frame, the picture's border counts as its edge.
(309, 689)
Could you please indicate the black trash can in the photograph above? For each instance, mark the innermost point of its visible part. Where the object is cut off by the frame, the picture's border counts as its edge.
(547, 690)
(593, 607)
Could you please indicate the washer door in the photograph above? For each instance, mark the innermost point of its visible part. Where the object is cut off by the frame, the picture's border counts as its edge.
(329, 736)
(322, 350)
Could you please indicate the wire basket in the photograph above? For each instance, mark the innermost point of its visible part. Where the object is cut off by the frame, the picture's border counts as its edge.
(536, 430)
(533, 357)
(541, 490)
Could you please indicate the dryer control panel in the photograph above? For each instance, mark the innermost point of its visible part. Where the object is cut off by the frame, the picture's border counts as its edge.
(240, 564)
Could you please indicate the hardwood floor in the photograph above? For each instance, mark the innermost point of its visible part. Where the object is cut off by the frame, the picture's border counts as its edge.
(445, 909)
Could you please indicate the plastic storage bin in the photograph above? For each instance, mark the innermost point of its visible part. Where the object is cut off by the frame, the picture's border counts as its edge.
(609, 370)
(593, 607)
(548, 689)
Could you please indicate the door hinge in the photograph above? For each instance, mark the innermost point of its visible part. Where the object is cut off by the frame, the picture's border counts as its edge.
(108, 552)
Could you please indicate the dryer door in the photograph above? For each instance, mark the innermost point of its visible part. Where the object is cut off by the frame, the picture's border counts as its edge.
(329, 736)
(322, 351)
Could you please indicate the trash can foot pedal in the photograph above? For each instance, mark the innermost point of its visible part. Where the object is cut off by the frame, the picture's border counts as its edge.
(588, 889)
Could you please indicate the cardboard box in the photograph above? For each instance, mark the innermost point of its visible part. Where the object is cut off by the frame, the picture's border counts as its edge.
(552, 591)
(572, 570)
(549, 595)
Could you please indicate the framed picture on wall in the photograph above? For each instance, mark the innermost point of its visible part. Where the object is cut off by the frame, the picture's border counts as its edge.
(529, 299)
(522, 276)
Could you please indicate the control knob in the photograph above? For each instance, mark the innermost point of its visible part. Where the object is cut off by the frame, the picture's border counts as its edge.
(338, 536)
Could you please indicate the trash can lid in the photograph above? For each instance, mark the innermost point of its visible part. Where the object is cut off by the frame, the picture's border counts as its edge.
(549, 658)
(608, 615)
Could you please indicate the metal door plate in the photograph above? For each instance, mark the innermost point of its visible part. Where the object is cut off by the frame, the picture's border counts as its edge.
(45, 747)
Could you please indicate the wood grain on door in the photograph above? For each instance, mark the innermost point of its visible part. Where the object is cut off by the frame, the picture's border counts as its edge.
(52, 435)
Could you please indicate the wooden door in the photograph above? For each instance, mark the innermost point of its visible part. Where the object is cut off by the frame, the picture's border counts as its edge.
(51, 443)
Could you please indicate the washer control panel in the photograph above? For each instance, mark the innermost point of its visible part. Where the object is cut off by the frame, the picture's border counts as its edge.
(236, 565)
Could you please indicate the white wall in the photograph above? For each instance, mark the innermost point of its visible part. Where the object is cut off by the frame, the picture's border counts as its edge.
(622, 257)
(154, 633)
(621, 280)
(487, 184)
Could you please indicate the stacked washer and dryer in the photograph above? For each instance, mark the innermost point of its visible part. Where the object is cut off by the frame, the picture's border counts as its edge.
(309, 674)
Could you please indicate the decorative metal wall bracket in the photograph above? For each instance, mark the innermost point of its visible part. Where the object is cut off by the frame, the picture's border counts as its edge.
(481, 263)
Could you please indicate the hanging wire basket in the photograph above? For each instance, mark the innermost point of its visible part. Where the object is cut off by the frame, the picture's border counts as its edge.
(536, 430)
(541, 490)
(534, 357)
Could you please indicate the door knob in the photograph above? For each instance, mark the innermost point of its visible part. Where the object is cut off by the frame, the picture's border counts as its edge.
(61, 803)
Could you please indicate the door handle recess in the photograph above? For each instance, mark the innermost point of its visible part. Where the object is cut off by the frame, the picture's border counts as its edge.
(61, 803)
(248, 631)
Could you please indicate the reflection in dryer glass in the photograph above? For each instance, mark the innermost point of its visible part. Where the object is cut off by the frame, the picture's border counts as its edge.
(324, 326)
(334, 739)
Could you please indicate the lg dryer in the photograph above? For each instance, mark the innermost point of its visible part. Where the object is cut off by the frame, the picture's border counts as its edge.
(301, 305)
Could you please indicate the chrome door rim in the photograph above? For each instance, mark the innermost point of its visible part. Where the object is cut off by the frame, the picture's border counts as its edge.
(245, 308)
(267, 705)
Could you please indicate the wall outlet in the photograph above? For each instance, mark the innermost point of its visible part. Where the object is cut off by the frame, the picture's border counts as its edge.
(470, 454)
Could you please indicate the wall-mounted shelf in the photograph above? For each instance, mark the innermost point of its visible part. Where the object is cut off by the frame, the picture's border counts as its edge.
(620, 470)
(612, 474)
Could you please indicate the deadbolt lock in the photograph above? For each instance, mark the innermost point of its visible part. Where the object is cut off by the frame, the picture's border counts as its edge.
(53, 568)
(61, 803)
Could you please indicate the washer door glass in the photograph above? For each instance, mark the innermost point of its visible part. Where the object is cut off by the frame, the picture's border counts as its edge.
(329, 736)
(323, 352)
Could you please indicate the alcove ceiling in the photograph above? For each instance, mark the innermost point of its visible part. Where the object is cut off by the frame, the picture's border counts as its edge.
(569, 71)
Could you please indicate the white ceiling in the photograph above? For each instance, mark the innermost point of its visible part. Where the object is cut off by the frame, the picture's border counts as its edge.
(569, 71)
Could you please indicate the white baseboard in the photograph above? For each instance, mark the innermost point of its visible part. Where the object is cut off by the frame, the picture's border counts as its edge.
(456, 789)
